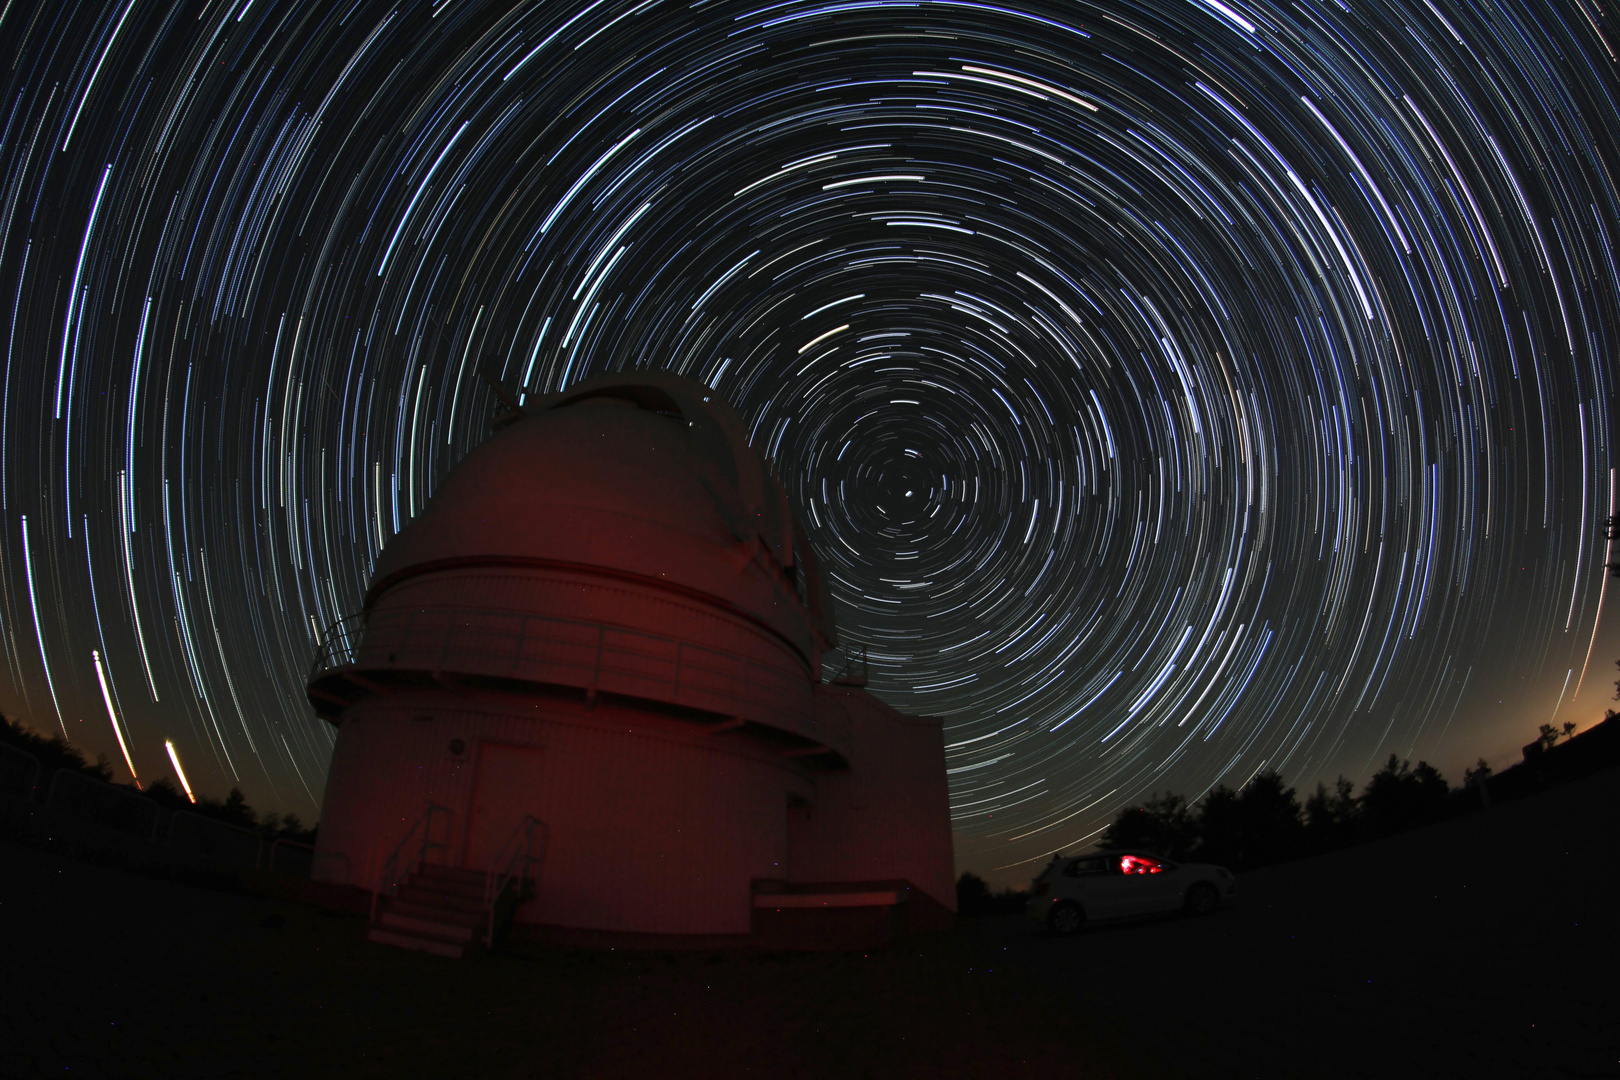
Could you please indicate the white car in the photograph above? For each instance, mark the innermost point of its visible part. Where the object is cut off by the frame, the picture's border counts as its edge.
(1119, 884)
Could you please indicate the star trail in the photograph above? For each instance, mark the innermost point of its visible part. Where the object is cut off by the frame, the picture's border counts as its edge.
(1171, 389)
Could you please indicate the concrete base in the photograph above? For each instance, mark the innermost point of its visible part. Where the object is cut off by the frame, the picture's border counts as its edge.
(839, 916)
(843, 916)
(570, 937)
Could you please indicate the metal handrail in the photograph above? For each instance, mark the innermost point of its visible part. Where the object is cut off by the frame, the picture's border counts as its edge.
(388, 880)
(703, 676)
(343, 638)
(523, 857)
(343, 634)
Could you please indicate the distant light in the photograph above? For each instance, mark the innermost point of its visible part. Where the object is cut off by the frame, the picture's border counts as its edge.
(101, 677)
(178, 771)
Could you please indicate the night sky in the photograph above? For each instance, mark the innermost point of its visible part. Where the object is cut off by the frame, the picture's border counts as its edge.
(1170, 389)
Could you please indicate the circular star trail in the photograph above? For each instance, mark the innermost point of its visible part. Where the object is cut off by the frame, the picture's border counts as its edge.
(1172, 390)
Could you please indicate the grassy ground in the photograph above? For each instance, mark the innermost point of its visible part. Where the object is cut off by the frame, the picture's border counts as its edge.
(1482, 947)
(109, 974)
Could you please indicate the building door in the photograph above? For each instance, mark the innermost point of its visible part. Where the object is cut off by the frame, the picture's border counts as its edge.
(506, 787)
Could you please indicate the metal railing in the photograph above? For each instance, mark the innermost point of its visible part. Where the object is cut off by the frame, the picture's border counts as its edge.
(19, 771)
(572, 652)
(105, 804)
(516, 867)
(391, 875)
(303, 865)
(299, 860)
(218, 842)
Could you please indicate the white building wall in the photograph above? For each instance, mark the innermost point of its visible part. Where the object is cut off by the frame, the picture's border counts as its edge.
(889, 816)
(654, 825)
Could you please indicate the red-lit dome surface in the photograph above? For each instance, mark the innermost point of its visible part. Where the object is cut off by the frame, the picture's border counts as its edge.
(599, 645)
(622, 538)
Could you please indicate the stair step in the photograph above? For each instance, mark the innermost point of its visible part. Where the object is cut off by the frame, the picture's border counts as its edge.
(431, 895)
(420, 943)
(430, 909)
(448, 874)
(439, 910)
(446, 888)
(438, 928)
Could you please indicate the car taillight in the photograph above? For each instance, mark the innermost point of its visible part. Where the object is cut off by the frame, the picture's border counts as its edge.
(1040, 889)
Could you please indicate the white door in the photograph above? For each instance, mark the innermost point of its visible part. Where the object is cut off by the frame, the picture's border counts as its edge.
(506, 788)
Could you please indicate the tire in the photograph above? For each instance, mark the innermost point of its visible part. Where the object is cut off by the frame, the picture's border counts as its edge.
(1202, 899)
(1065, 919)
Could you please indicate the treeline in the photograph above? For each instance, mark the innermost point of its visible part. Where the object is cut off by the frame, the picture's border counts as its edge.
(1261, 823)
(974, 898)
(55, 752)
(1264, 822)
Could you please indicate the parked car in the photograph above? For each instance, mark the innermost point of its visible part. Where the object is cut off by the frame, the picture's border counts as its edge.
(1118, 884)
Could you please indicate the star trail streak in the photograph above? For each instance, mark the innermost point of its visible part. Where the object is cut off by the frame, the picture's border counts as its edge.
(1172, 389)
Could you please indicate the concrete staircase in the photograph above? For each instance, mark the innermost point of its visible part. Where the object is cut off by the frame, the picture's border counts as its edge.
(439, 910)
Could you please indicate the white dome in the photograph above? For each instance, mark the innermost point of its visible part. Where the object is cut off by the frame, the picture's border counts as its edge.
(647, 475)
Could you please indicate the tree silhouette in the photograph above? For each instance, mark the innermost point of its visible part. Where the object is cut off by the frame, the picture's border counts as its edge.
(973, 898)
(1163, 825)
(288, 827)
(1549, 735)
(1332, 818)
(234, 810)
(1263, 822)
(1400, 797)
(1255, 826)
(163, 792)
(54, 752)
(1220, 826)
(972, 895)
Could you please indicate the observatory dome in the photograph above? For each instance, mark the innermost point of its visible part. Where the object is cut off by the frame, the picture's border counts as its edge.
(596, 651)
(646, 475)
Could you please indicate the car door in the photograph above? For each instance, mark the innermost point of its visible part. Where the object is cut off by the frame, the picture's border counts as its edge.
(1167, 887)
(1146, 884)
(1101, 888)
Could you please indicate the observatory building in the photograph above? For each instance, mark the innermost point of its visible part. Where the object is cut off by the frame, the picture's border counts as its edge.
(594, 662)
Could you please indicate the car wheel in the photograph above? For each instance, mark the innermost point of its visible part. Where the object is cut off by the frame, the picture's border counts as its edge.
(1202, 899)
(1065, 918)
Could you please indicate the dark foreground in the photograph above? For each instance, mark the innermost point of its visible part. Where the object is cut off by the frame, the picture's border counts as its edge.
(1483, 947)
